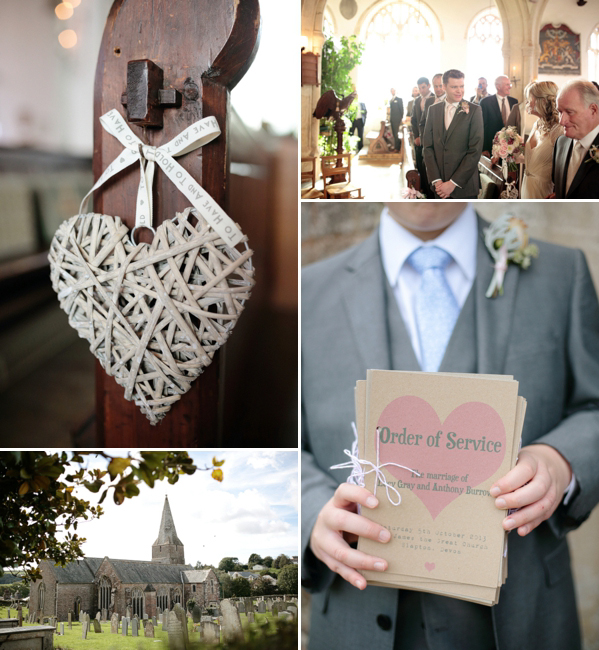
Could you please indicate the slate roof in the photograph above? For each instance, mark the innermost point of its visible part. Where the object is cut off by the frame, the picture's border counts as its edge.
(136, 572)
(167, 533)
(196, 575)
(78, 572)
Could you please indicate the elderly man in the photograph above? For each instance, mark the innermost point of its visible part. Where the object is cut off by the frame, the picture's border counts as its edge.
(496, 110)
(576, 153)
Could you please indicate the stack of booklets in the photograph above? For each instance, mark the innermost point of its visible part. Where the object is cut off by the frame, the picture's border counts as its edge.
(456, 434)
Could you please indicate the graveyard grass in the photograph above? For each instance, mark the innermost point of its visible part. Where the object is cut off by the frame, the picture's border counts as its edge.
(106, 641)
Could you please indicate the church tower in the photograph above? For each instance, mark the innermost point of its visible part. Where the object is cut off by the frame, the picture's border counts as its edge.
(168, 548)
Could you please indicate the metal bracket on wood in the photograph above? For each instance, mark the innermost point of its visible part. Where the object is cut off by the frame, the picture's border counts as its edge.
(146, 98)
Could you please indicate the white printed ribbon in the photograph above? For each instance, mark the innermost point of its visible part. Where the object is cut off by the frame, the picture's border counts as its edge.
(500, 266)
(194, 136)
(358, 471)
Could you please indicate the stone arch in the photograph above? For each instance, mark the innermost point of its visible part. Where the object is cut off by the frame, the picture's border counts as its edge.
(177, 596)
(41, 596)
(77, 607)
(137, 602)
(162, 599)
(104, 593)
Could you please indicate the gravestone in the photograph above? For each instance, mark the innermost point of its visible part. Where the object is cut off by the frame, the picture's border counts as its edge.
(251, 617)
(249, 605)
(210, 632)
(261, 607)
(80, 616)
(125, 626)
(99, 616)
(154, 623)
(285, 616)
(293, 610)
(104, 614)
(97, 626)
(70, 620)
(196, 613)
(149, 629)
(241, 607)
(114, 624)
(8, 615)
(231, 622)
(145, 617)
(20, 615)
(269, 602)
(84, 630)
(135, 627)
(128, 612)
(176, 632)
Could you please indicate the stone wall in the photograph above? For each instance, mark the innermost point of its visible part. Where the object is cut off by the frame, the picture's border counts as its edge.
(66, 599)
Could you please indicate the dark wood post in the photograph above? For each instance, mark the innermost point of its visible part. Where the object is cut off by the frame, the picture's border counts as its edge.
(204, 47)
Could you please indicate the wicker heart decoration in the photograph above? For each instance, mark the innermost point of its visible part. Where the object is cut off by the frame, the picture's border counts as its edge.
(154, 314)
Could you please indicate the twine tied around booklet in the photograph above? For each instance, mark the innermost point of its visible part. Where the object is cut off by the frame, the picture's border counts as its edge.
(154, 314)
(358, 471)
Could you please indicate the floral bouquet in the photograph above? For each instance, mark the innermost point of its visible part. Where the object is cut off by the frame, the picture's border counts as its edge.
(412, 193)
(507, 145)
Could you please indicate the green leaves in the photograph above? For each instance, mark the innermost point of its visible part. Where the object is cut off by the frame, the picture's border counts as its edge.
(42, 496)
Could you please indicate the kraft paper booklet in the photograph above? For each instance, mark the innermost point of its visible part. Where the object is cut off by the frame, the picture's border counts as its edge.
(454, 435)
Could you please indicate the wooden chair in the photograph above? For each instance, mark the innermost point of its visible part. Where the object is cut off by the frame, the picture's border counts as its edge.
(309, 174)
(309, 192)
(338, 189)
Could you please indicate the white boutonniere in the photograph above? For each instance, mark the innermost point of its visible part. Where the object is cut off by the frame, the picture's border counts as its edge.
(506, 240)
(594, 154)
(464, 106)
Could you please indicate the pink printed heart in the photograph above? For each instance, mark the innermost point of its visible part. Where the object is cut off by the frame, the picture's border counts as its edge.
(429, 566)
(441, 459)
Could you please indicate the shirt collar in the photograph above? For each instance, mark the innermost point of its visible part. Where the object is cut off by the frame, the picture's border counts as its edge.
(589, 138)
(459, 240)
(450, 103)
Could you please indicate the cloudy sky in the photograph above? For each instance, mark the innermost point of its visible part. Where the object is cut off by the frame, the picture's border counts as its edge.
(254, 510)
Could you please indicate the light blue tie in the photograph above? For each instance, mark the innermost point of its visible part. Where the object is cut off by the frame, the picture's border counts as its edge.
(436, 308)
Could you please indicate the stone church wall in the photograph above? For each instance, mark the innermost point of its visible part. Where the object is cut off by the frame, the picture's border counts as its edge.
(67, 593)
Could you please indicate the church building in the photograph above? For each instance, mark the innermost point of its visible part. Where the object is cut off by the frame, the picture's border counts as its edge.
(107, 585)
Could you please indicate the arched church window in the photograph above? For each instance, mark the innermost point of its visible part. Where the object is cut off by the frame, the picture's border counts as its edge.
(77, 607)
(393, 31)
(137, 603)
(328, 23)
(41, 596)
(594, 55)
(484, 54)
(162, 599)
(104, 588)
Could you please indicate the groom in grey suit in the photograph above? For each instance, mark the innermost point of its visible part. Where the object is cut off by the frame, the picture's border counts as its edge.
(453, 142)
(543, 330)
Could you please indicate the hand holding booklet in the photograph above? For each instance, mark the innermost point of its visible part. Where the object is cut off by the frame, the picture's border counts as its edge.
(439, 441)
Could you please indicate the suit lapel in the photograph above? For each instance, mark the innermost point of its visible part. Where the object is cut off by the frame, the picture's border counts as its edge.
(585, 167)
(364, 299)
(493, 315)
(564, 147)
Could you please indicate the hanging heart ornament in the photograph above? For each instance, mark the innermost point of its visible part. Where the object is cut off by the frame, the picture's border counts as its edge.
(154, 314)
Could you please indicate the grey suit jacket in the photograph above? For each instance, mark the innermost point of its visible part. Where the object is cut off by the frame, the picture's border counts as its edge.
(453, 154)
(544, 330)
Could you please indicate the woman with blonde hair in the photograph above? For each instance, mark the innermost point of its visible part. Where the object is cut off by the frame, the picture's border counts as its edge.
(538, 152)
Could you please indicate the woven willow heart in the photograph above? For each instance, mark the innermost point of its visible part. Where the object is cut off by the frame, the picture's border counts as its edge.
(154, 314)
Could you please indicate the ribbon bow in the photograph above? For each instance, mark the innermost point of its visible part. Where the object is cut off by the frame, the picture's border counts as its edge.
(194, 136)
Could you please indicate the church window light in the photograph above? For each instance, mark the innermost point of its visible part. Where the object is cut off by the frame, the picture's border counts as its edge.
(137, 602)
(162, 599)
(328, 23)
(393, 31)
(104, 589)
(484, 49)
(593, 54)
(42, 596)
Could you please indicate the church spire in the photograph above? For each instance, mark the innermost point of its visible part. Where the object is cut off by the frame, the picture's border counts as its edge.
(168, 548)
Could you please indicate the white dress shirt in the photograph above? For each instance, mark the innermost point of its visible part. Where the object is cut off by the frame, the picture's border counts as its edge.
(589, 138)
(397, 244)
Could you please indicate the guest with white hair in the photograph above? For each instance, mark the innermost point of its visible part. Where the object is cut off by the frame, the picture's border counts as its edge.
(576, 154)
